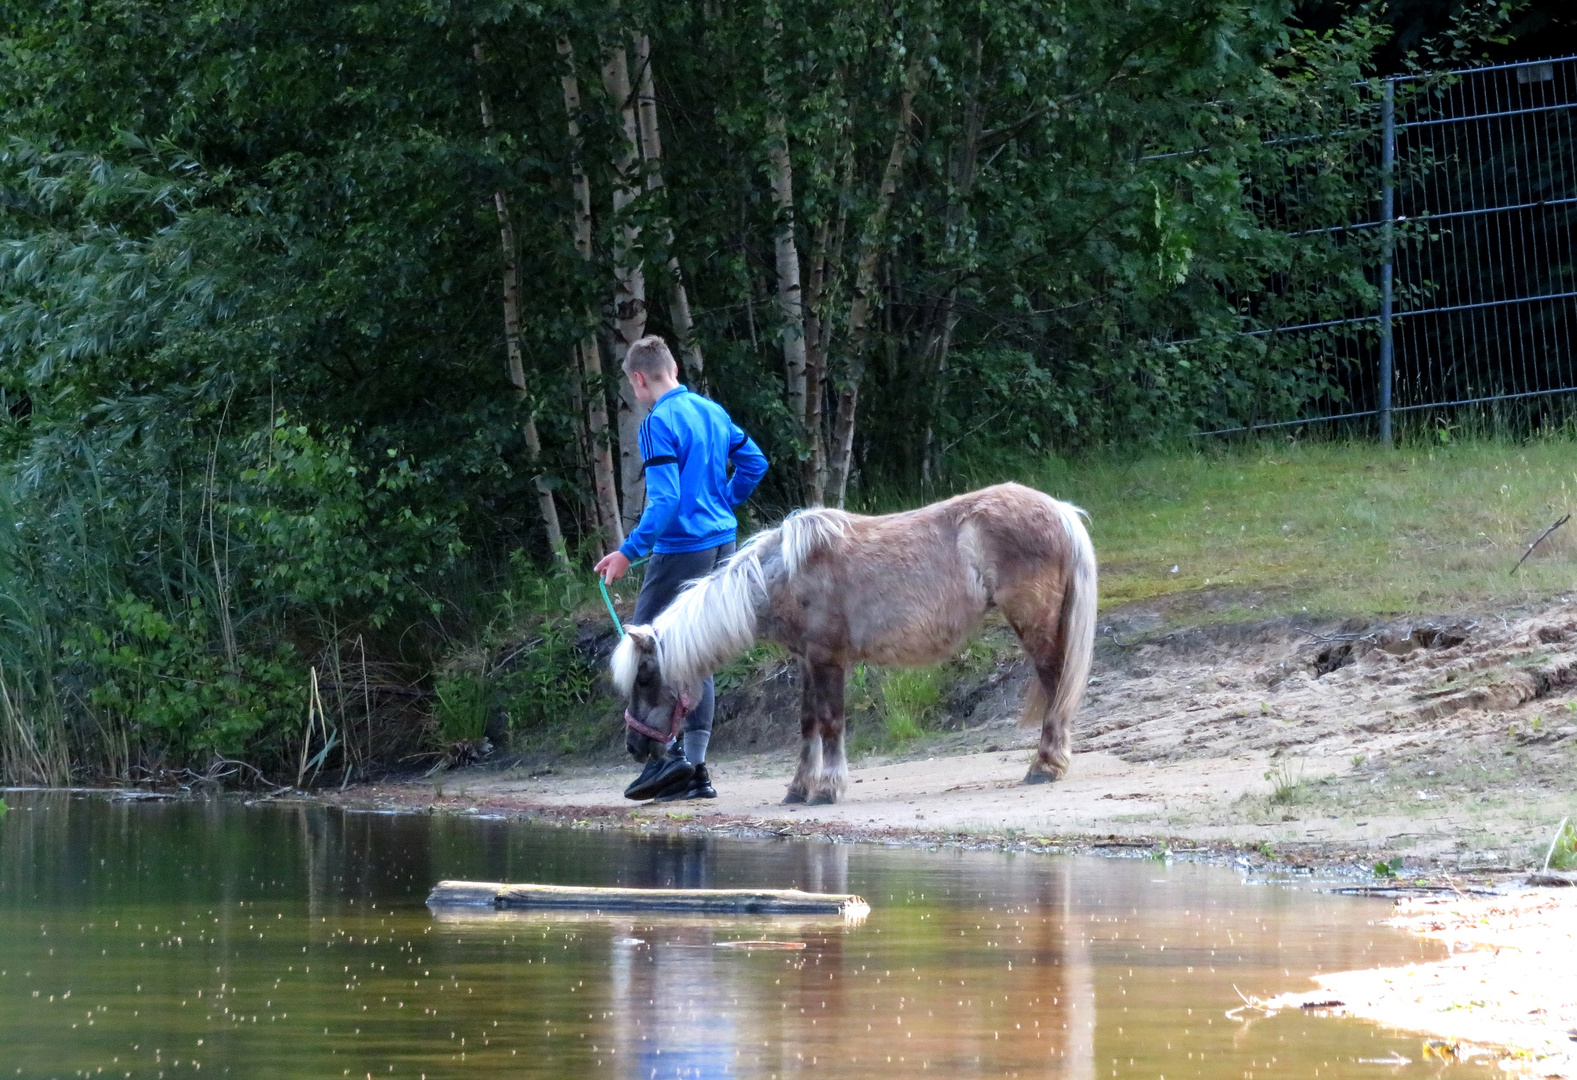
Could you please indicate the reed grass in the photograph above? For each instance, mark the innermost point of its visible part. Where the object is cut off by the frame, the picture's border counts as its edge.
(33, 746)
(35, 743)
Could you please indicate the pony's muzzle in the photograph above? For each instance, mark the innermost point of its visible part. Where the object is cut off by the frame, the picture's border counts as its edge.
(642, 748)
(646, 741)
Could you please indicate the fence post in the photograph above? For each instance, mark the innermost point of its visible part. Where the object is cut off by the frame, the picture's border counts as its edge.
(1387, 214)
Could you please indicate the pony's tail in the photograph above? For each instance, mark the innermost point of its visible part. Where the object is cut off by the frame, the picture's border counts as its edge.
(1052, 706)
(1078, 618)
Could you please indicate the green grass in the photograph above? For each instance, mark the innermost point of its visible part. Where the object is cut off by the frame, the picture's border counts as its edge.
(1286, 784)
(1343, 528)
(890, 708)
(909, 696)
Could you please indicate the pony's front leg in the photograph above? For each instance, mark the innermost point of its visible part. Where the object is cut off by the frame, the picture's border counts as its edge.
(834, 779)
(809, 771)
(821, 713)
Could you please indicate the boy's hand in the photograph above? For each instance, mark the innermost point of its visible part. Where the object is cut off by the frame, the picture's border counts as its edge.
(612, 566)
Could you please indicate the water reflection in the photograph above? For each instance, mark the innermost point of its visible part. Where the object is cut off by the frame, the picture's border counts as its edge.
(155, 940)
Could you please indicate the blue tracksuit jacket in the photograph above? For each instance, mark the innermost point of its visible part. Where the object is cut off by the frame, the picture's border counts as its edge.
(686, 443)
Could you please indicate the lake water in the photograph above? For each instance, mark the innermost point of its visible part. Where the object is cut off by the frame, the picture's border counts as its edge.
(194, 939)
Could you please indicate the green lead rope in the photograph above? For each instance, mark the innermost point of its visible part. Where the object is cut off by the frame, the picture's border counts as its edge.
(606, 599)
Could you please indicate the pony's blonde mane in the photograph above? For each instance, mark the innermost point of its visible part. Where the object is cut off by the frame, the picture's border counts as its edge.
(626, 661)
(805, 532)
(714, 618)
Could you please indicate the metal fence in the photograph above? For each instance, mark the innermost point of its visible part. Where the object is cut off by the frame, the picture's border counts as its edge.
(1468, 241)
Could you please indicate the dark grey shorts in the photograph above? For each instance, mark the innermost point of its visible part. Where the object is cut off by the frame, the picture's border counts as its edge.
(666, 574)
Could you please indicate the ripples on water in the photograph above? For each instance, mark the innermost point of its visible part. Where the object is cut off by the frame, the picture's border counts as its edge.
(194, 939)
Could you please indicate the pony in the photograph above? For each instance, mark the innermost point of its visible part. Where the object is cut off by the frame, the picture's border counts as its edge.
(905, 590)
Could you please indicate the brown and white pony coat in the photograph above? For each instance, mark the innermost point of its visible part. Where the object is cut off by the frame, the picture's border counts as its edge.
(897, 590)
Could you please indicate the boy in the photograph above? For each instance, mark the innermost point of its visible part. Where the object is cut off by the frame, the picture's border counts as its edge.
(686, 444)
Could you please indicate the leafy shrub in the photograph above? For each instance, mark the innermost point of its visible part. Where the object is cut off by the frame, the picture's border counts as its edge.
(461, 704)
(545, 678)
(1562, 852)
(330, 529)
(160, 679)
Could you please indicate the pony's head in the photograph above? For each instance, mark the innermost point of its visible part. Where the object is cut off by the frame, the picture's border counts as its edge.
(661, 669)
(653, 707)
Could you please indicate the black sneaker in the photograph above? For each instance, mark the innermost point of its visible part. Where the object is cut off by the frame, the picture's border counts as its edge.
(699, 786)
(671, 770)
(643, 781)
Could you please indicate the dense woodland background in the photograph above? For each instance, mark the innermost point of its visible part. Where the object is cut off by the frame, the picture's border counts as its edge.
(311, 315)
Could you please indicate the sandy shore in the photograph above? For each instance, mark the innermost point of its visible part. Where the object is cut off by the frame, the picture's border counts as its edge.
(1434, 744)
(1509, 988)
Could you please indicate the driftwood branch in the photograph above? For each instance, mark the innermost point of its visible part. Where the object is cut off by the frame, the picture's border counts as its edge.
(1539, 541)
(486, 894)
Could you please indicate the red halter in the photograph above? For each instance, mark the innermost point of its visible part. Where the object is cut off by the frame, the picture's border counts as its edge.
(681, 707)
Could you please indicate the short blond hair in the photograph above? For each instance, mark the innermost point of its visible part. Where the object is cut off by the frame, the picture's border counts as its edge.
(650, 356)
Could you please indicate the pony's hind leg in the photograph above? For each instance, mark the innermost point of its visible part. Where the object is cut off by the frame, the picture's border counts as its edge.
(1053, 613)
(834, 763)
(1053, 756)
(1038, 631)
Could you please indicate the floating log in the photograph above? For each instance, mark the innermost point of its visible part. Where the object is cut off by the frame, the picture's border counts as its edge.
(503, 897)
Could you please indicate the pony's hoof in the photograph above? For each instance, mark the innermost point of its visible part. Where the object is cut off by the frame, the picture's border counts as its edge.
(821, 799)
(1033, 777)
(793, 797)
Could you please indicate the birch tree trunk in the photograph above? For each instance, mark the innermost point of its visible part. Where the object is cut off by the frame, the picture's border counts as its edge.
(963, 169)
(585, 354)
(871, 240)
(814, 470)
(652, 154)
(517, 367)
(629, 297)
(791, 307)
(791, 310)
(826, 254)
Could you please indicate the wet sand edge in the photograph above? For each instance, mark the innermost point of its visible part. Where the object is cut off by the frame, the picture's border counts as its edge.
(1507, 988)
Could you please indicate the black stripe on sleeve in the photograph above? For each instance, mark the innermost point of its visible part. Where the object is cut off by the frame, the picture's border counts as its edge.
(735, 448)
(660, 459)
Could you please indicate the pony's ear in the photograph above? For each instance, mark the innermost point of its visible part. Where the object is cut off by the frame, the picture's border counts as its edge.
(644, 640)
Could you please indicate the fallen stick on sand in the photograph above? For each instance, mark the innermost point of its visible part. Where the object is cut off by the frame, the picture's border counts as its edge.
(1539, 541)
(596, 899)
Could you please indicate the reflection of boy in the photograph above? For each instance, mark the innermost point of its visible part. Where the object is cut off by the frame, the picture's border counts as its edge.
(686, 442)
